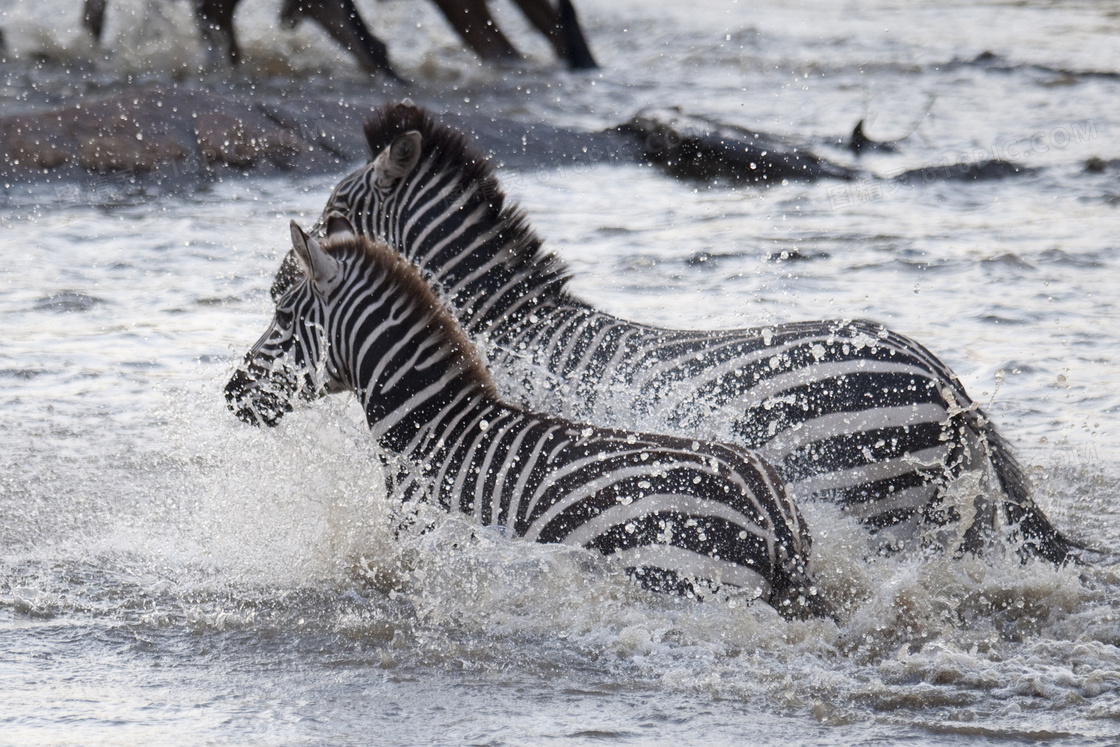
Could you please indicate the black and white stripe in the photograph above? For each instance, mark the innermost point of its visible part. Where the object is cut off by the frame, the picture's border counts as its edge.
(847, 410)
(680, 514)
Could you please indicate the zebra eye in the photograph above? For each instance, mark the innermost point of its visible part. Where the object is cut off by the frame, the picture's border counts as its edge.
(284, 318)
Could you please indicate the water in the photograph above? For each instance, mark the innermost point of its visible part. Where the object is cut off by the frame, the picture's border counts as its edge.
(170, 575)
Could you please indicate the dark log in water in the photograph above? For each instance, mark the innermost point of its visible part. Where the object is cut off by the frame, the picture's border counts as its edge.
(699, 148)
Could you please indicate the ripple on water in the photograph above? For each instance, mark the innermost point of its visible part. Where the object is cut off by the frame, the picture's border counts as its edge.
(67, 302)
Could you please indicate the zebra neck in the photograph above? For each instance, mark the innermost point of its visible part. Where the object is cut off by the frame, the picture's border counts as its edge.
(489, 293)
(400, 404)
(441, 422)
(486, 264)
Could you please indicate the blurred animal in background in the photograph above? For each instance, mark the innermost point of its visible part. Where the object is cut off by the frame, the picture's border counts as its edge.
(471, 19)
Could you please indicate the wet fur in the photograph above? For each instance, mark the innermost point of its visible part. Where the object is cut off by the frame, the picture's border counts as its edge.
(404, 274)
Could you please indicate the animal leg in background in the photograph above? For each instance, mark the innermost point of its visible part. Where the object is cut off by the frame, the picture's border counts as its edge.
(214, 17)
(215, 21)
(93, 18)
(340, 19)
(561, 26)
(471, 19)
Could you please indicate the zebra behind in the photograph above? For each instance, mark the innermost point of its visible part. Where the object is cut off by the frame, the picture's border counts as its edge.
(846, 410)
(678, 514)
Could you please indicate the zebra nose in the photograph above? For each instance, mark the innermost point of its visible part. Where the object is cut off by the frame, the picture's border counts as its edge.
(236, 394)
(238, 384)
(243, 398)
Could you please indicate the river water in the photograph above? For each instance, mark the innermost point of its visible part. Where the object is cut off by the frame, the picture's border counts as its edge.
(169, 575)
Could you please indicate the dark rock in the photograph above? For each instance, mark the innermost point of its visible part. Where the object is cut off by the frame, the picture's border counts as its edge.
(1098, 165)
(169, 134)
(152, 129)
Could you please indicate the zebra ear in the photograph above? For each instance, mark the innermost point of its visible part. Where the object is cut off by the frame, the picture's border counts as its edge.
(403, 154)
(319, 266)
(338, 223)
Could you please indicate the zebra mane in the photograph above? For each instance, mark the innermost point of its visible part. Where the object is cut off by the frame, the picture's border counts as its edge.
(451, 150)
(404, 275)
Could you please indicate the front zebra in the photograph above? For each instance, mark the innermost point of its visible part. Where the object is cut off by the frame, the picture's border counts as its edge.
(676, 513)
(847, 411)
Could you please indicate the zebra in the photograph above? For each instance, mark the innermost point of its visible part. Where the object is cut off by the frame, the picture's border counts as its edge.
(847, 410)
(680, 515)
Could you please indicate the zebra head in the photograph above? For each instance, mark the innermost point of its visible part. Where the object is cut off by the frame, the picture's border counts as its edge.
(292, 358)
(374, 195)
(365, 195)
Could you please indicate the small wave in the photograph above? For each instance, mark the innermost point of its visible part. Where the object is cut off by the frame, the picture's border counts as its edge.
(997, 63)
(217, 301)
(614, 231)
(796, 255)
(1072, 259)
(21, 373)
(1009, 259)
(68, 301)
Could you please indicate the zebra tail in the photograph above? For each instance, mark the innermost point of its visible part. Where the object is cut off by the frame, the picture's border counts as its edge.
(1029, 524)
(794, 595)
(798, 601)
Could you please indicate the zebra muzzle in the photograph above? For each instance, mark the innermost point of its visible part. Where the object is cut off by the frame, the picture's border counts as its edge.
(253, 403)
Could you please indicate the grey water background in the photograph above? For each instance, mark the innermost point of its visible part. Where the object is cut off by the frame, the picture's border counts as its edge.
(169, 575)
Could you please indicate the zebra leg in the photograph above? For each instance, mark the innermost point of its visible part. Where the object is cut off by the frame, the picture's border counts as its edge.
(406, 487)
(93, 18)
(795, 597)
(1029, 524)
(988, 451)
(561, 27)
(471, 19)
(341, 20)
(970, 457)
(215, 21)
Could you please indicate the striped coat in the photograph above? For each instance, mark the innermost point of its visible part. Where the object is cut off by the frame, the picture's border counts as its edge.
(846, 410)
(679, 514)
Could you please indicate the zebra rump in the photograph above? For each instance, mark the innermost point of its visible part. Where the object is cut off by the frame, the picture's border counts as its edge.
(680, 515)
(847, 411)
